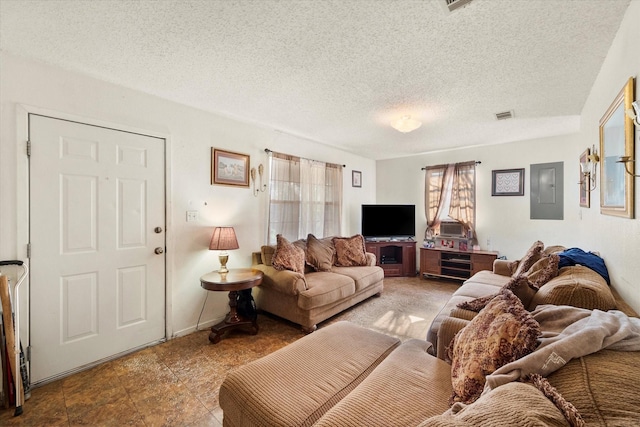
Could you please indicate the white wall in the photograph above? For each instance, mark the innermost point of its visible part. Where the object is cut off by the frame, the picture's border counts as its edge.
(192, 133)
(505, 220)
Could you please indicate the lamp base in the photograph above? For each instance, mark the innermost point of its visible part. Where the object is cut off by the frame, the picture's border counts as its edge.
(223, 257)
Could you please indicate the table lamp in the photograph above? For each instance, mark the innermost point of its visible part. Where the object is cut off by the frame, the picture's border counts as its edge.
(223, 239)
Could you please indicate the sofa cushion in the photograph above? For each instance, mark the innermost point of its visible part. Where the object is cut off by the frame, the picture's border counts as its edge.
(576, 256)
(296, 385)
(603, 387)
(284, 281)
(266, 253)
(407, 387)
(483, 281)
(320, 253)
(577, 286)
(513, 404)
(362, 276)
(553, 249)
(502, 332)
(533, 254)
(350, 251)
(325, 288)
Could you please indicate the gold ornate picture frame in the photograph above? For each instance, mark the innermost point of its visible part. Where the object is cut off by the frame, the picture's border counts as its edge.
(617, 140)
(229, 168)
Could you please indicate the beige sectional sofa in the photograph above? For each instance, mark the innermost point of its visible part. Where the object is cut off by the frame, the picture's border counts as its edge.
(307, 298)
(346, 375)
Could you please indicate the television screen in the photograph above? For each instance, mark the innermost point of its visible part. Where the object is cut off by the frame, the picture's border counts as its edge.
(388, 221)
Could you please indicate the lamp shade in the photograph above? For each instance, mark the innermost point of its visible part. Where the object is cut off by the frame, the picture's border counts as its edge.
(223, 238)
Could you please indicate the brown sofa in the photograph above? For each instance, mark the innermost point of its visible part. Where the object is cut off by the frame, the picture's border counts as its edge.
(346, 375)
(313, 296)
(577, 286)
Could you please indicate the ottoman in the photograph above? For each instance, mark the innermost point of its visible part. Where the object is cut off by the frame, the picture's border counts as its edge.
(297, 384)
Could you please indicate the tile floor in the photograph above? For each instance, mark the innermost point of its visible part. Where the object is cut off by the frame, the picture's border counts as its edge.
(176, 383)
(171, 384)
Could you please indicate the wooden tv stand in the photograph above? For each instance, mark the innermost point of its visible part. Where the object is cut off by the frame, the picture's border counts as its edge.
(453, 263)
(396, 257)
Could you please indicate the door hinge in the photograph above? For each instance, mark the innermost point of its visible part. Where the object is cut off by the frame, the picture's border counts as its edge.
(27, 354)
(28, 148)
(28, 250)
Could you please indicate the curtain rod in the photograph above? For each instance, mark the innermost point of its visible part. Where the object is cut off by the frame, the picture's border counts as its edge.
(477, 162)
(268, 151)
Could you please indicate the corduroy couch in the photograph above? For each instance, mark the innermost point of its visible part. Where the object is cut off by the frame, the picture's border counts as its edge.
(307, 298)
(577, 286)
(346, 375)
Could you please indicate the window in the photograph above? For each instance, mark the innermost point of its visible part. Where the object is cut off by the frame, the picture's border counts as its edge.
(305, 197)
(450, 194)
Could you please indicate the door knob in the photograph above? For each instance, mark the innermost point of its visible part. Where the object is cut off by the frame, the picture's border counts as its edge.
(159, 250)
(158, 230)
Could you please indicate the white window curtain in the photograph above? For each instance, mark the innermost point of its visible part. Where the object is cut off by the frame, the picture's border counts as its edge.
(305, 197)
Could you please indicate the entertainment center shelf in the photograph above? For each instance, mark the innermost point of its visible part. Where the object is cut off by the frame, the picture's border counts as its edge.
(397, 258)
(453, 263)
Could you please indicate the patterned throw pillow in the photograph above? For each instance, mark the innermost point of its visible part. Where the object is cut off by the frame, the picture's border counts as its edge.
(501, 333)
(350, 251)
(288, 256)
(520, 286)
(545, 269)
(532, 255)
(320, 253)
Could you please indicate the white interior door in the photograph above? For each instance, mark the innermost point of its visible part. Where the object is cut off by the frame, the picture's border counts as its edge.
(97, 215)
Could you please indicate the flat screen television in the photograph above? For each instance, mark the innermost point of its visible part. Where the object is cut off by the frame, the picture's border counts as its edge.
(388, 221)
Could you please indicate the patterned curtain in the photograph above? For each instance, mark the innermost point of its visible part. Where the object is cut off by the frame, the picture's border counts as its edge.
(434, 196)
(463, 195)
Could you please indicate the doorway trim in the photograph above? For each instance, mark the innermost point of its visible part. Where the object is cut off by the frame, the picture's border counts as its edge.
(22, 202)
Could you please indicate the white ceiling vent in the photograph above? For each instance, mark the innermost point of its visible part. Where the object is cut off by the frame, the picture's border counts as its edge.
(452, 5)
(504, 115)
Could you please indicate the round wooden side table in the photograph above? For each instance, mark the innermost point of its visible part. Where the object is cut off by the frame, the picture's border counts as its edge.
(234, 281)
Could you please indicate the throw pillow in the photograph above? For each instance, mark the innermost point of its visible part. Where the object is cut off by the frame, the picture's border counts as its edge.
(320, 253)
(350, 251)
(520, 286)
(543, 270)
(501, 333)
(533, 254)
(288, 256)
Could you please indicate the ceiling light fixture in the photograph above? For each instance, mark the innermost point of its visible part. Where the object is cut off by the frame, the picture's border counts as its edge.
(406, 124)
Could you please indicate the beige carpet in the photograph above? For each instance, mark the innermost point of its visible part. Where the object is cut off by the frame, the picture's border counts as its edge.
(404, 310)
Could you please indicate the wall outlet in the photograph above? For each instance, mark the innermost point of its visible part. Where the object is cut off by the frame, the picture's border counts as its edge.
(192, 216)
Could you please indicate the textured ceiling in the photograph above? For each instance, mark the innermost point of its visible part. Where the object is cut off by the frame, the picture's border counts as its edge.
(338, 72)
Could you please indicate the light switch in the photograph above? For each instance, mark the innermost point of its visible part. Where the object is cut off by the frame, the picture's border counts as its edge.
(192, 216)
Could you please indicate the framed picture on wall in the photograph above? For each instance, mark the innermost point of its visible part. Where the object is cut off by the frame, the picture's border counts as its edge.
(616, 142)
(356, 179)
(507, 182)
(228, 168)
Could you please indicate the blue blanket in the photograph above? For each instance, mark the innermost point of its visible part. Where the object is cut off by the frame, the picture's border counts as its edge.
(577, 256)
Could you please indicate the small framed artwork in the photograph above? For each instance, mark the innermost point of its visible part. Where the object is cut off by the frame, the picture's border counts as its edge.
(585, 181)
(507, 182)
(228, 168)
(616, 141)
(356, 179)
